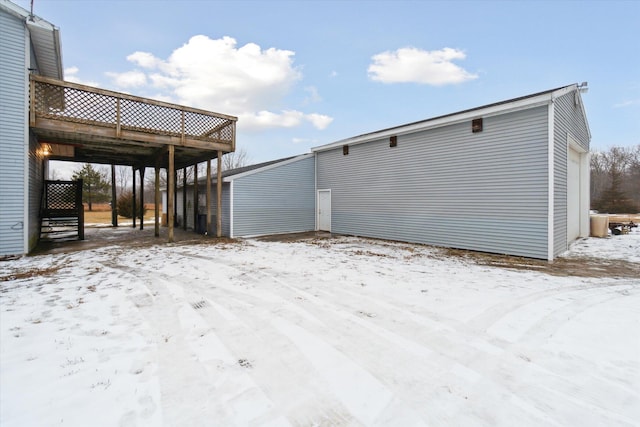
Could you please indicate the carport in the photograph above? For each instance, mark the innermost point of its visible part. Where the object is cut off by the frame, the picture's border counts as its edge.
(79, 123)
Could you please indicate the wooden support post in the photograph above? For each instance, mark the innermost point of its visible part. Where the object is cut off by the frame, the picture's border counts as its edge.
(171, 191)
(208, 196)
(133, 201)
(114, 198)
(184, 198)
(195, 198)
(142, 169)
(219, 197)
(157, 202)
(175, 197)
(80, 208)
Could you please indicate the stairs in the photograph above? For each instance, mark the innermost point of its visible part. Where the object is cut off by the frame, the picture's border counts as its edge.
(62, 212)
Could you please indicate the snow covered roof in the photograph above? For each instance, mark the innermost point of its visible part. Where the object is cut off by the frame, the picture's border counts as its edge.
(510, 105)
(45, 39)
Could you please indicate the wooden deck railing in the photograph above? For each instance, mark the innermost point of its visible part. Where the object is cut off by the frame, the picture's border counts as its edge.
(79, 104)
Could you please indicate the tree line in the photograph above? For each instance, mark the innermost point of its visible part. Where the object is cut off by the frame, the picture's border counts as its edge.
(615, 180)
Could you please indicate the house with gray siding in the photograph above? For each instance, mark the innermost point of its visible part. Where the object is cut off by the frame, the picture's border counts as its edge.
(507, 178)
(275, 197)
(28, 44)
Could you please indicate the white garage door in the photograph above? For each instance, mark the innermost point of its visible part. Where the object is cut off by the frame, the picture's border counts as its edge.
(573, 196)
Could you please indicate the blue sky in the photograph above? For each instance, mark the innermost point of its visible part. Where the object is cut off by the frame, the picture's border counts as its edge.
(303, 73)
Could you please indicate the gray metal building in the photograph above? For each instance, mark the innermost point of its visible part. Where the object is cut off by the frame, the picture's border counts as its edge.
(509, 178)
(27, 44)
(274, 197)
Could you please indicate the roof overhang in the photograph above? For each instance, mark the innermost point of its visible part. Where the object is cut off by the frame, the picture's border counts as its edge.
(516, 104)
(45, 39)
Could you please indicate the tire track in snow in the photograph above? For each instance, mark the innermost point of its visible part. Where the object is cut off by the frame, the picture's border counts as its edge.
(251, 340)
(215, 384)
(552, 322)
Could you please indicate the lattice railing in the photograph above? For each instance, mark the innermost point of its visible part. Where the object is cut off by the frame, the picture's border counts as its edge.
(61, 197)
(71, 102)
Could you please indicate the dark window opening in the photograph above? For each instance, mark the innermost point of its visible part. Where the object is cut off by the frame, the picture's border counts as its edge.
(345, 150)
(393, 141)
(476, 125)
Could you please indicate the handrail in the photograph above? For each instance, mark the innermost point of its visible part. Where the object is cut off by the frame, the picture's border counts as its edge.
(73, 102)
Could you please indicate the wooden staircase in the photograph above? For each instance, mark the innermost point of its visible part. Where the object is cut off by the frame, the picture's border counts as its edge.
(62, 212)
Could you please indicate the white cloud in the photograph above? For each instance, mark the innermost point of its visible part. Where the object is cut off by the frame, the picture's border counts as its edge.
(304, 141)
(313, 96)
(70, 75)
(628, 103)
(144, 59)
(411, 65)
(285, 119)
(319, 121)
(128, 79)
(333, 74)
(218, 75)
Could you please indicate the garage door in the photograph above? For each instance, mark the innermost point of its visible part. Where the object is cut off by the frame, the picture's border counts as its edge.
(573, 196)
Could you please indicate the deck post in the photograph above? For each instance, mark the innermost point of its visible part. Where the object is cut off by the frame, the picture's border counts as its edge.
(184, 198)
(195, 197)
(208, 196)
(157, 203)
(171, 190)
(80, 208)
(133, 201)
(142, 169)
(114, 197)
(219, 197)
(175, 195)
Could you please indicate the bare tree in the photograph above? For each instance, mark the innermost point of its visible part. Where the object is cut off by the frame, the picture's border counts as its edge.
(123, 178)
(235, 159)
(615, 180)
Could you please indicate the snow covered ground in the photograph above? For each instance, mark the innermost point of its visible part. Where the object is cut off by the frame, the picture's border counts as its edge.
(340, 331)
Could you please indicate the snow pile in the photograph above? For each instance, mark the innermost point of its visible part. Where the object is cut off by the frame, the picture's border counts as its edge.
(340, 331)
(624, 247)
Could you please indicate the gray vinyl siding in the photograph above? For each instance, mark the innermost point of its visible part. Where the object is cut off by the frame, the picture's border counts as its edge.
(568, 119)
(226, 218)
(13, 93)
(277, 200)
(448, 186)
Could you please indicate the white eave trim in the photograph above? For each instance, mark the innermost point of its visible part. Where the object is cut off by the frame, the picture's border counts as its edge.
(522, 104)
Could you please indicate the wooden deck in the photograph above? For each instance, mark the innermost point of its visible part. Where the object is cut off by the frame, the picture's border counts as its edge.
(87, 124)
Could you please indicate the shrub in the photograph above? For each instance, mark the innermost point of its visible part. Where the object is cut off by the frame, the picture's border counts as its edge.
(124, 205)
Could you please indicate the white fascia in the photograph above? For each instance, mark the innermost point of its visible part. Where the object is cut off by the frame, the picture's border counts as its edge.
(25, 109)
(230, 209)
(551, 182)
(315, 187)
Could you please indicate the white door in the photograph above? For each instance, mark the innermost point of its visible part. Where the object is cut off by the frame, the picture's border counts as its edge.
(573, 196)
(324, 210)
